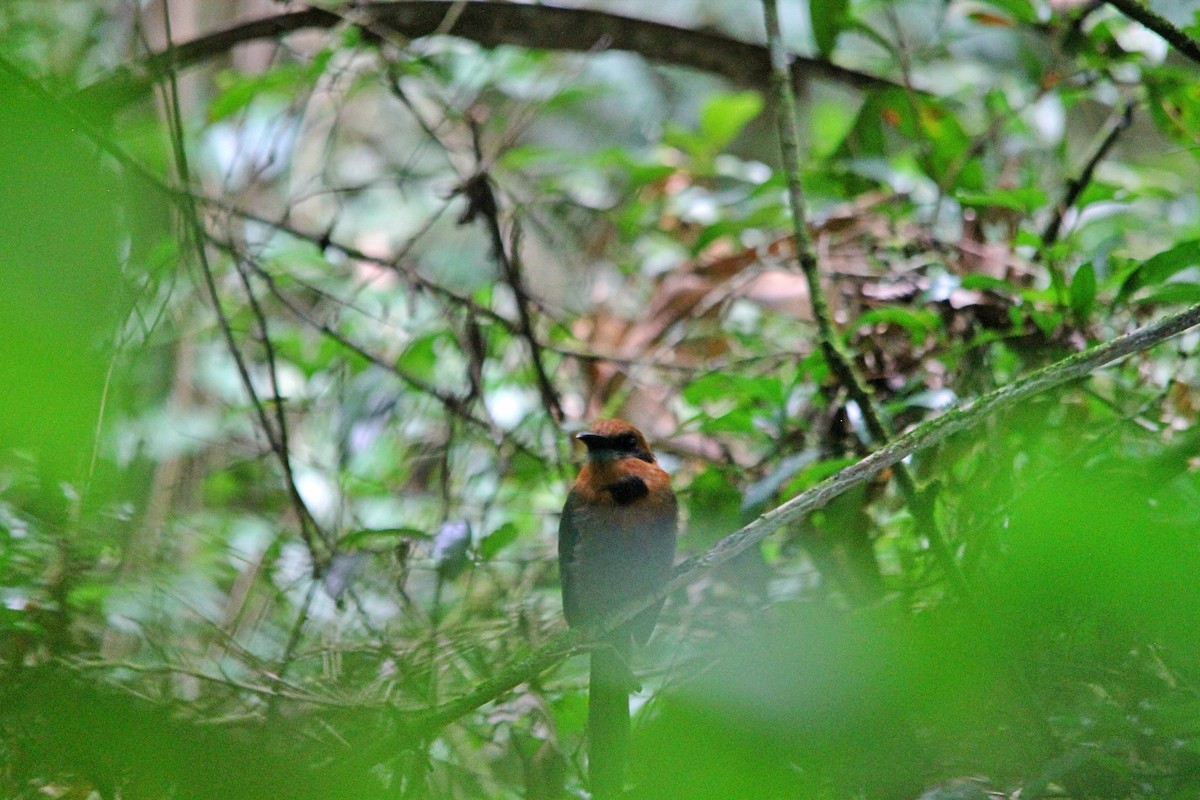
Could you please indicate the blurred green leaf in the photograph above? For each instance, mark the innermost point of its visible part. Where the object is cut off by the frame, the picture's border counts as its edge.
(767, 389)
(420, 358)
(285, 81)
(59, 265)
(1021, 11)
(497, 540)
(450, 545)
(1173, 99)
(1025, 200)
(1174, 293)
(828, 19)
(1157, 269)
(375, 538)
(714, 505)
(918, 322)
(724, 115)
(1083, 291)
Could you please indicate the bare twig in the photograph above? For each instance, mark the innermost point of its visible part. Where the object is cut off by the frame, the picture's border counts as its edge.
(219, 680)
(289, 650)
(195, 233)
(482, 204)
(840, 362)
(455, 405)
(1138, 12)
(307, 521)
(1076, 185)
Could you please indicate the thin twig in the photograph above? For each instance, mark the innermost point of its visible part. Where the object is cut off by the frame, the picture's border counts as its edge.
(307, 521)
(195, 232)
(1160, 25)
(840, 362)
(187, 200)
(482, 203)
(1076, 185)
(453, 404)
(220, 680)
(289, 650)
(409, 273)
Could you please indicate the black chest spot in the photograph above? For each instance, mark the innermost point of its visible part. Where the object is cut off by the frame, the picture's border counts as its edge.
(628, 489)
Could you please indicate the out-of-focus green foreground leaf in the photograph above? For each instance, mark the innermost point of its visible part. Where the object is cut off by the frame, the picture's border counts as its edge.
(59, 280)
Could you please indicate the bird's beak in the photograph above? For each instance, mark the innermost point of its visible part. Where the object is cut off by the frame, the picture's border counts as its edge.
(597, 444)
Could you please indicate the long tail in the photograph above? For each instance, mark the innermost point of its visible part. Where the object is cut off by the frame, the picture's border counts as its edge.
(608, 718)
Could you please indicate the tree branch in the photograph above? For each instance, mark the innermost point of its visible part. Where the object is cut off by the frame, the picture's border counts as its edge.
(491, 24)
(482, 204)
(310, 531)
(840, 362)
(1137, 12)
(1076, 185)
(956, 420)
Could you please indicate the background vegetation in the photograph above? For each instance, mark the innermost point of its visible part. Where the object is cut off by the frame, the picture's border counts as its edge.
(297, 319)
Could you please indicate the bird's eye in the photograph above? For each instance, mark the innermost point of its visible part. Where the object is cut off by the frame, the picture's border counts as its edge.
(626, 441)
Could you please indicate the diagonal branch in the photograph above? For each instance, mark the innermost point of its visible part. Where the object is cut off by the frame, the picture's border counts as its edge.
(932, 432)
(538, 27)
(310, 531)
(1076, 185)
(457, 406)
(841, 364)
(1138, 12)
(482, 203)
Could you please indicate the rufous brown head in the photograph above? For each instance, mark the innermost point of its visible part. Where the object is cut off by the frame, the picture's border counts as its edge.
(612, 439)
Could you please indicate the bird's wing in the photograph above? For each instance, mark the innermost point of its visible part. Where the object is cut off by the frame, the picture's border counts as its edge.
(568, 536)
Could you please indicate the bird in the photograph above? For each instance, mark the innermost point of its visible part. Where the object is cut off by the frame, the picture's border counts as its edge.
(616, 543)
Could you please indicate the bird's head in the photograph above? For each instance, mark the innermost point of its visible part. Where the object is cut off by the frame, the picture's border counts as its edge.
(611, 439)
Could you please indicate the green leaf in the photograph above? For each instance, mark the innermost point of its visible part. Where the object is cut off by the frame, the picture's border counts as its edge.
(714, 505)
(527, 155)
(1173, 99)
(735, 389)
(829, 123)
(373, 538)
(1025, 200)
(1047, 321)
(1159, 268)
(239, 91)
(497, 540)
(88, 595)
(828, 19)
(1097, 192)
(724, 116)
(710, 386)
(1083, 291)
(1171, 294)
(918, 322)
(986, 283)
(1020, 10)
(420, 357)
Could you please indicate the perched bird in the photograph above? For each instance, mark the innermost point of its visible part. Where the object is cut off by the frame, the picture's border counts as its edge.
(616, 543)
